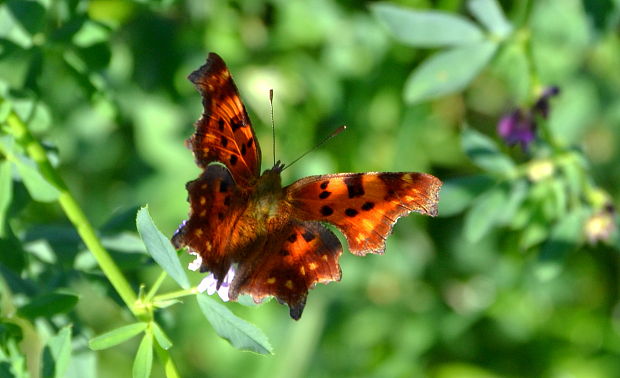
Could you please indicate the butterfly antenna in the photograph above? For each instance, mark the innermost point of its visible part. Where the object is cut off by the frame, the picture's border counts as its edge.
(273, 127)
(330, 136)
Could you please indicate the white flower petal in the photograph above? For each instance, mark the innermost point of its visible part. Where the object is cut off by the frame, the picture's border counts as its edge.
(207, 284)
(223, 293)
(195, 265)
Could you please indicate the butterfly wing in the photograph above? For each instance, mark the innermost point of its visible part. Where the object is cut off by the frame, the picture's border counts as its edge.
(216, 205)
(288, 263)
(224, 132)
(364, 206)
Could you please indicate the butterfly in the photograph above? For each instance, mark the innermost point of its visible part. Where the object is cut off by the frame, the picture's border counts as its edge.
(274, 235)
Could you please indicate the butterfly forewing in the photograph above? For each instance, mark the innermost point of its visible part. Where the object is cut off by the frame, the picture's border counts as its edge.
(216, 204)
(364, 206)
(224, 132)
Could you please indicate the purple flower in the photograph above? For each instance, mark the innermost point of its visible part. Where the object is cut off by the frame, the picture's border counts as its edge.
(209, 283)
(542, 106)
(517, 128)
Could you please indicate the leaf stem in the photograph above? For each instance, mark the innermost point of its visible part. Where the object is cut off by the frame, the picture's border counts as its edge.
(72, 210)
(175, 294)
(156, 286)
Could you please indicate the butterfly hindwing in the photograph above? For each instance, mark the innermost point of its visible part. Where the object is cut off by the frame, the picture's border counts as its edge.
(289, 263)
(224, 132)
(216, 204)
(364, 206)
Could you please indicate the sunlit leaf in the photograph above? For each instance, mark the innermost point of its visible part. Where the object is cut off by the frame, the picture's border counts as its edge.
(448, 71)
(484, 152)
(513, 68)
(426, 28)
(116, 336)
(490, 14)
(57, 354)
(38, 187)
(160, 248)
(241, 334)
(143, 363)
(485, 213)
(516, 196)
(162, 339)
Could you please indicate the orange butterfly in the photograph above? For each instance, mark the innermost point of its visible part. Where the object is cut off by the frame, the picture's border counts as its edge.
(273, 234)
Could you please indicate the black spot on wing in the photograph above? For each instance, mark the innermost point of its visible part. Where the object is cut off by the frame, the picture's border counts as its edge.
(292, 238)
(223, 186)
(324, 184)
(350, 212)
(233, 159)
(324, 194)
(327, 211)
(368, 206)
(308, 236)
(354, 186)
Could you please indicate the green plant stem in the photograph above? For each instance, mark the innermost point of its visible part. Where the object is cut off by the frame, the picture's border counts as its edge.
(85, 230)
(73, 211)
(176, 294)
(155, 287)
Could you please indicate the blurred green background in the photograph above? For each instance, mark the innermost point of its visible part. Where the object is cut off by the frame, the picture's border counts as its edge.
(103, 84)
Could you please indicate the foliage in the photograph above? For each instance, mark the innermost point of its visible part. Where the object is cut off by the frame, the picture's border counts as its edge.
(516, 277)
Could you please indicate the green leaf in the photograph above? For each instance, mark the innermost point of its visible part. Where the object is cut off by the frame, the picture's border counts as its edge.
(513, 68)
(573, 110)
(160, 336)
(426, 28)
(241, 334)
(566, 235)
(38, 187)
(518, 193)
(144, 357)
(6, 192)
(29, 14)
(485, 213)
(48, 304)
(160, 248)
(448, 71)
(5, 110)
(484, 152)
(15, 62)
(457, 194)
(57, 354)
(116, 336)
(9, 330)
(490, 14)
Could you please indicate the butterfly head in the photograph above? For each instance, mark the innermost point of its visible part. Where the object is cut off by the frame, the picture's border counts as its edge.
(270, 180)
(278, 167)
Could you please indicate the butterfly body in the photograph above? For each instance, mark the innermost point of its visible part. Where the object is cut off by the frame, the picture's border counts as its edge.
(274, 235)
